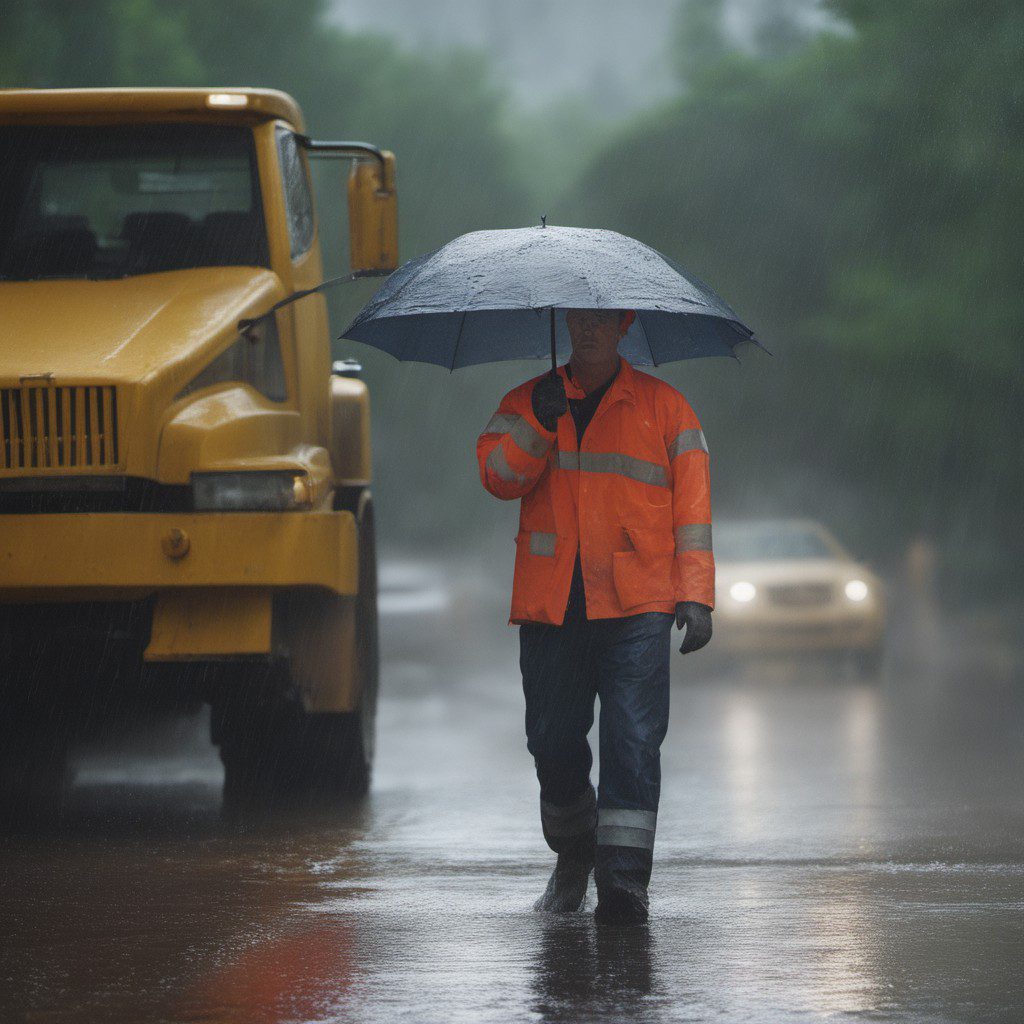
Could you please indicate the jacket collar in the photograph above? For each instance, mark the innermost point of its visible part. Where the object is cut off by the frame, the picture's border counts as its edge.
(623, 386)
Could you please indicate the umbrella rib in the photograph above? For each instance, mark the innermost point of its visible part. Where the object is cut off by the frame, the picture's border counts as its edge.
(462, 323)
(647, 338)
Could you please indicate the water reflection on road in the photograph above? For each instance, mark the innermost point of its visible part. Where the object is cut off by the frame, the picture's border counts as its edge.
(825, 849)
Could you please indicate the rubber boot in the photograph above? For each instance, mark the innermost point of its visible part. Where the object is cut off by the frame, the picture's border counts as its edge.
(570, 832)
(622, 875)
(567, 887)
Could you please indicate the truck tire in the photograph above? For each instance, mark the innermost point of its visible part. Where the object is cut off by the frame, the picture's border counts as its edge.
(277, 755)
(363, 720)
(35, 723)
(33, 776)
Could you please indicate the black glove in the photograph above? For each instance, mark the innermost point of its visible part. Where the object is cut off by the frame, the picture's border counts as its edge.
(696, 619)
(549, 401)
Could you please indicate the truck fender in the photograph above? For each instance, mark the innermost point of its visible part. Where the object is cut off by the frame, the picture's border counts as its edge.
(350, 431)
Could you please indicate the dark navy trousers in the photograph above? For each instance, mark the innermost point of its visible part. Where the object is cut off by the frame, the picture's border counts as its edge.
(624, 662)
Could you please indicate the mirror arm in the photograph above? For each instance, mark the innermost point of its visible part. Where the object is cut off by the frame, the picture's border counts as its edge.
(341, 150)
(244, 325)
(373, 210)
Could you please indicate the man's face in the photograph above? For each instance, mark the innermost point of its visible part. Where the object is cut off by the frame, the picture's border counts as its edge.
(594, 333)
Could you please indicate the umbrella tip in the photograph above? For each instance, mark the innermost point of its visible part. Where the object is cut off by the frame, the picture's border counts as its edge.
(543, 220)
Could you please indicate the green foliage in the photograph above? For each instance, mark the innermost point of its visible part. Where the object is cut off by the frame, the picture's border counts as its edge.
(544, 161)
(51, 43)
(857, 195)
(700, 40)
(861, 200)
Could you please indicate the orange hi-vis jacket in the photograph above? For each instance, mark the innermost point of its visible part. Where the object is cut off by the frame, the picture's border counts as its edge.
(635, 500)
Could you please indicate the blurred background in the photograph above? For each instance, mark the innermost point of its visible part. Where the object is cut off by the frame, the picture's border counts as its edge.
(849, 175)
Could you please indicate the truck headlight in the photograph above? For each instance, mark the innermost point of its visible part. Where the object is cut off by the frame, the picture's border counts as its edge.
(250, 492)
(856, 590)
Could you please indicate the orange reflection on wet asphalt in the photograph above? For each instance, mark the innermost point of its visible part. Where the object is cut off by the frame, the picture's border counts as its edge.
(300, 976)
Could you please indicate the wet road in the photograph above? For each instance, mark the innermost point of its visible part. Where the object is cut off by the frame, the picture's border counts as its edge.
(827, 850)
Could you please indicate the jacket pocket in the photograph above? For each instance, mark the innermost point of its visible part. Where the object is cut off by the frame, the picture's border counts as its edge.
(644, 574)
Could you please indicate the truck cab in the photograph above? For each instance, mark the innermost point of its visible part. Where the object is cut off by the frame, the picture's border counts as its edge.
(185, 503)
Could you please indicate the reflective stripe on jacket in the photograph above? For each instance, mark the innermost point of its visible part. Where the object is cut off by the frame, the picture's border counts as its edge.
(636, 500)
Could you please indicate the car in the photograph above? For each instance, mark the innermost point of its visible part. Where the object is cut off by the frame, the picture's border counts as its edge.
(787, 586)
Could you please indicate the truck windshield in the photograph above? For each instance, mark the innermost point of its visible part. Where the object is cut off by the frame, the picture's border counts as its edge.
(114, 201)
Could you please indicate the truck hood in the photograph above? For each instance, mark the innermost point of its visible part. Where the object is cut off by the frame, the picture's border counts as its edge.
(124, 330)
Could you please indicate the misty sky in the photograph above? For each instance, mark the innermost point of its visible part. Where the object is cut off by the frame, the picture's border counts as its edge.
(614, 55)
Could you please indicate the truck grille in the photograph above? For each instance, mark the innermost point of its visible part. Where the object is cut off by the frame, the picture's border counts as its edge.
(802, 595)
(50, 427)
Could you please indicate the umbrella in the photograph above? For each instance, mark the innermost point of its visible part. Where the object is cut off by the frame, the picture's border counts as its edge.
(487, 296)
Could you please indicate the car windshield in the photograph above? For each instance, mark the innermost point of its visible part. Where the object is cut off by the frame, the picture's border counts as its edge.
(119, 200)
(768, 542)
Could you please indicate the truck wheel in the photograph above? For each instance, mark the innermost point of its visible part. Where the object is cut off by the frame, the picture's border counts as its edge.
(33, 776)
(276, 754)
(279, 757)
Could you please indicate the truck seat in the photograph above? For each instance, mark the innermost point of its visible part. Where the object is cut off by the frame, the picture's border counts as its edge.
(158, 241)
(54, 248)
(229, 238)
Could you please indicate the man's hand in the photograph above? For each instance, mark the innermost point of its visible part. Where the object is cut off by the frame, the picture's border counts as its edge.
(695, 618)
(549, 401)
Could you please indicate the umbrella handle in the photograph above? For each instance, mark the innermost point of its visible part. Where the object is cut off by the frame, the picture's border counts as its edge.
(554, 361)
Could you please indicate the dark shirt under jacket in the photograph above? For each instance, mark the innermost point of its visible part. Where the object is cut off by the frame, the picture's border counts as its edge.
(582, 410)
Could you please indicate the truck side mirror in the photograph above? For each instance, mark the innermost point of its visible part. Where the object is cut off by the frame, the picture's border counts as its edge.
(373, 215)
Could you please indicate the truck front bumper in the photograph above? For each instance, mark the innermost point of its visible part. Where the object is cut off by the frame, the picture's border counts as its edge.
(115, 556)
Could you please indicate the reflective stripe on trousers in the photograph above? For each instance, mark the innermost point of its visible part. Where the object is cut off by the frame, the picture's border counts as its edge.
(622, 827)
(625, 661)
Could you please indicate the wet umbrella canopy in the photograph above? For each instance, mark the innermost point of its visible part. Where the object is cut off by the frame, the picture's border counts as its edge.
(490, 295)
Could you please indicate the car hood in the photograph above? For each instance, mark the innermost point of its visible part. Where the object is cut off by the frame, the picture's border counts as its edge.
(128, 329)
(797, 570)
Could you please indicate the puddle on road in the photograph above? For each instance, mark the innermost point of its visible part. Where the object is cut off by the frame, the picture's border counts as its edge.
(819, 855)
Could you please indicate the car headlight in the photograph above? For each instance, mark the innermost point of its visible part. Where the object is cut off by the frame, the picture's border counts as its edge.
(743, 592)
(856, 590)
(250, 492)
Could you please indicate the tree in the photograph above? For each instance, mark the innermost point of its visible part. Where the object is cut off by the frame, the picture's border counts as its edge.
(862, 201)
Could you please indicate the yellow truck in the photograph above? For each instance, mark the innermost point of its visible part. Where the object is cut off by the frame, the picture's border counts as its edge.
(185, 506)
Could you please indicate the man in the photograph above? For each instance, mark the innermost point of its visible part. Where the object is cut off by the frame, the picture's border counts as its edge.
(614, 544)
